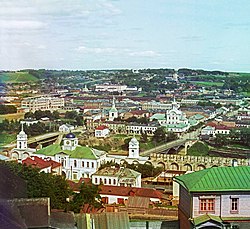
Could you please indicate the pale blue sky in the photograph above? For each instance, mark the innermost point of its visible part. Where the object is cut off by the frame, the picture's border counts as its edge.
(102, 34)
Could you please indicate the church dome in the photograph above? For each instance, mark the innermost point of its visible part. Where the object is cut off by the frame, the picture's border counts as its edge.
(70, 135)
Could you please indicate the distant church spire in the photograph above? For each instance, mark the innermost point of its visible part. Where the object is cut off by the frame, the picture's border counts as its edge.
(113, 102)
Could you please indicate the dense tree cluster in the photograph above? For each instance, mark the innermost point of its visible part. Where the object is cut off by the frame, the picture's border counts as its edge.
(236, 136)
(10, 126)
(88, 194)
(162, 136)
(7, 109)
(75, 117)
(42, 184)
(42, 114)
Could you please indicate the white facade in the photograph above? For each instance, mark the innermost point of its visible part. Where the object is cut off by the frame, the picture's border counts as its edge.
(66, 128)
(77, 161)
(70, 143)
(42, 103)
(21, 151)
(117, 177)
(101, 132)
(114, 88)
(134, 148)
(222, 131)
(113, 113)
(139, 128)
(208, 130)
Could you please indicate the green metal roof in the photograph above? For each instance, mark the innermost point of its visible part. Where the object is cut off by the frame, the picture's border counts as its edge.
(204, 218)
(197, 116)
(158, 117)
(217, 179)
(81, 152)
(113, 109)
(178, 125)
(193, 122)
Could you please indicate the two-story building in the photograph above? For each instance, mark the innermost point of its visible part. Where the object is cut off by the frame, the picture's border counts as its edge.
(77, 161)
(117, 177)
(217, 197)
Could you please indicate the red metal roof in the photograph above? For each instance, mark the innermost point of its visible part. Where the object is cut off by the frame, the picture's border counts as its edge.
(101, 128)
(222, 128)
(129, 191)
(40, 163)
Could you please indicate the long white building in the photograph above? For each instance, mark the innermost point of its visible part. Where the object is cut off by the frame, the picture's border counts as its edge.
(32, 104)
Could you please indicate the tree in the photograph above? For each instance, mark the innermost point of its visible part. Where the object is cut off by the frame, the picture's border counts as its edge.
(144, 137)
(42, 184)
(198, 149)
(7, 109)
(171, 136)
(159, 135)
(220, 140)
(88, 195)
(245, 136)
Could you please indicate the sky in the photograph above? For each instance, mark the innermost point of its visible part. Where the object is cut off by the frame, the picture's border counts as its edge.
(119, 34)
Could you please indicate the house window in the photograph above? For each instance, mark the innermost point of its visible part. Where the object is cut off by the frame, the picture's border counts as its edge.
(62, 162)
(207, 205)
(74, 176)
(234, 205)
(105, 181)
(87, 164)
(75, 164)
(109, 181)
(82, 163)
(92, 164)
(96, 180)
(114, 182)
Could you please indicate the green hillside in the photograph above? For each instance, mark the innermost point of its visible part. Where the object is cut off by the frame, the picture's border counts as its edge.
(17, 77)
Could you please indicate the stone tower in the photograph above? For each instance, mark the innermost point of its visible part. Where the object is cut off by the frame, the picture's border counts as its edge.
(22, 140)
(113, 113)
(134, 148)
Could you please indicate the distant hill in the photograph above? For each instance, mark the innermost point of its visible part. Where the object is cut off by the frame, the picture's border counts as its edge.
(17, 77)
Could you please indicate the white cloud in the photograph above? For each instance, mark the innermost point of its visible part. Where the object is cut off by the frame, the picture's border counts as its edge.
(148, 53)
(83, 49)
(22, 24)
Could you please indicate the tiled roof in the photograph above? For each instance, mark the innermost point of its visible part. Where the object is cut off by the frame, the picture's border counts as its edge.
(116, 172)
(217, 179)
(129, 191)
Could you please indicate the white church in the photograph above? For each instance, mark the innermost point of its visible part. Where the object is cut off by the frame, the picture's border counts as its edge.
(77, 161)
(113, 112)
(133, 154)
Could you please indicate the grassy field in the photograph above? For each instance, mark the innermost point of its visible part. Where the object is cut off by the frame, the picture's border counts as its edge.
(10, 117)
(17, 77)
(6, 138)
(208, 84)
